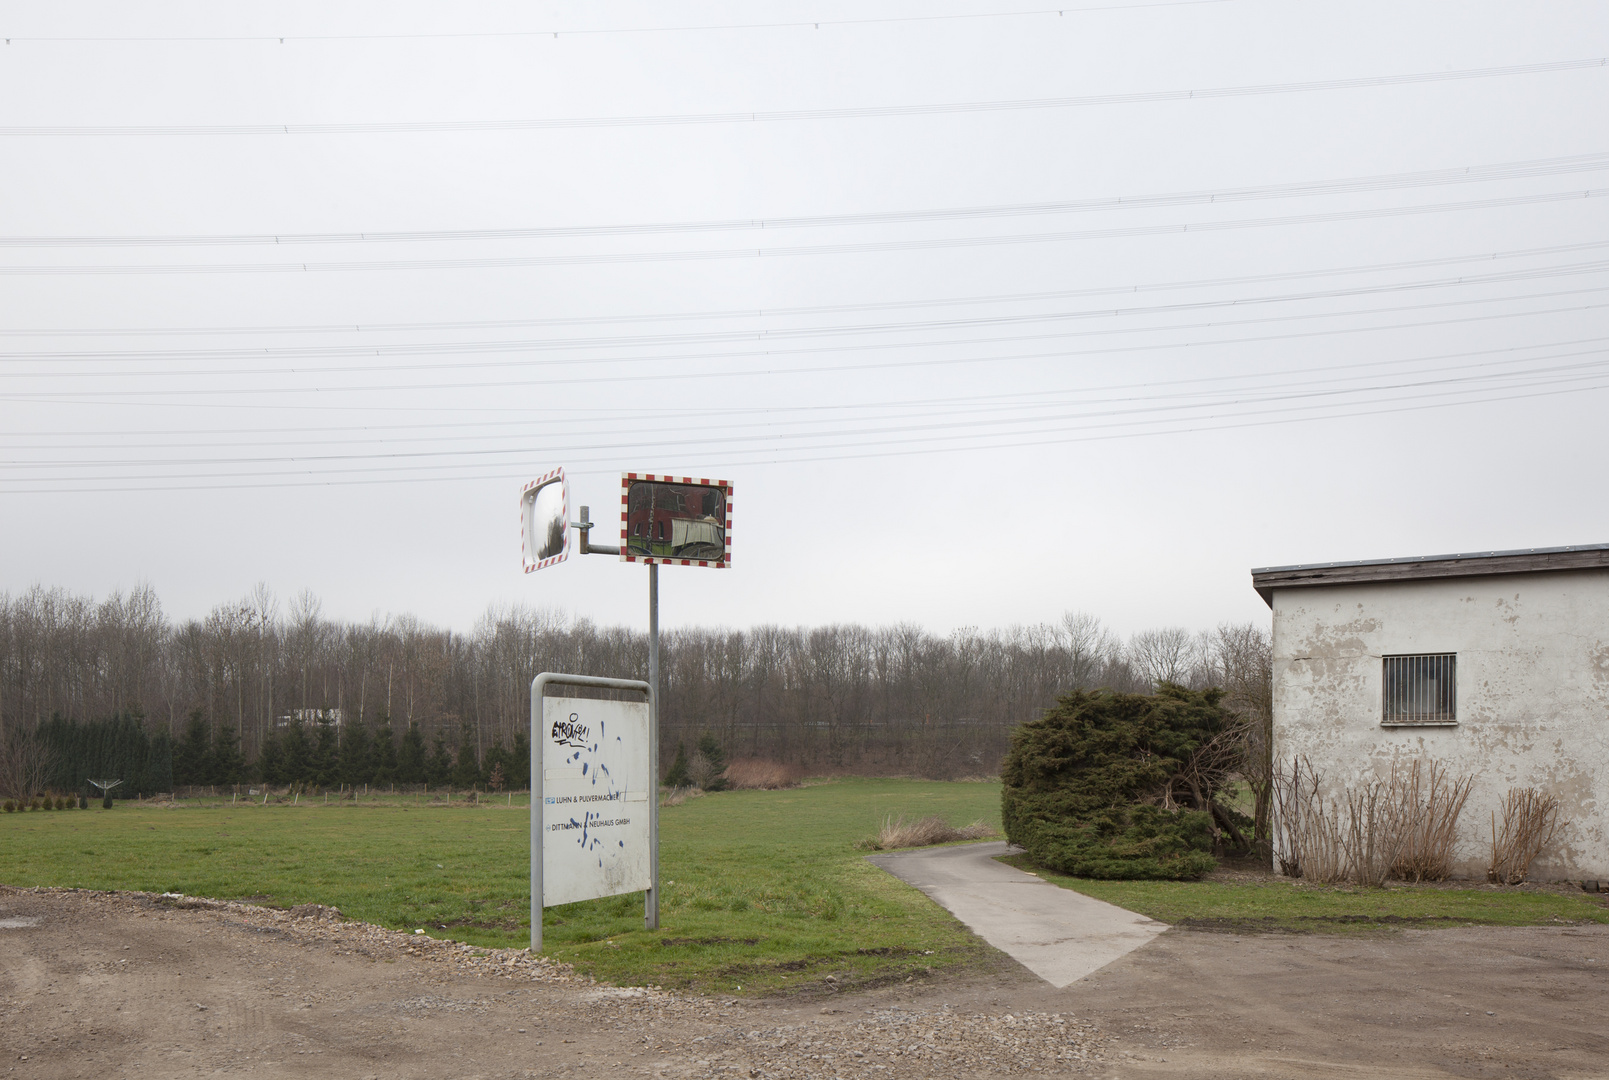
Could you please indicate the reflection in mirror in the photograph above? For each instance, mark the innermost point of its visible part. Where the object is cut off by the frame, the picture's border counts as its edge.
(675, 521)
(544, 520)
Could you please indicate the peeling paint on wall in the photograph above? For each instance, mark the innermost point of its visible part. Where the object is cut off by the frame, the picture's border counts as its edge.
(1532, 695)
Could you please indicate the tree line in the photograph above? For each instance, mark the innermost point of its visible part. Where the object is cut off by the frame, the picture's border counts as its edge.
(324, 754)
(251, 689)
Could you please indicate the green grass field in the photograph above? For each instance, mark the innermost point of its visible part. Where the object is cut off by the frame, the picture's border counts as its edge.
(762, 890)
(1297, 907)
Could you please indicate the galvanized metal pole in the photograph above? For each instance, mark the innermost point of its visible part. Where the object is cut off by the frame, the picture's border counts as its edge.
(538, 684)
(650, 913)
(651, 897)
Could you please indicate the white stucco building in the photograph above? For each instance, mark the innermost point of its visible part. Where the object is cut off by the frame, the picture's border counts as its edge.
(1495, 664)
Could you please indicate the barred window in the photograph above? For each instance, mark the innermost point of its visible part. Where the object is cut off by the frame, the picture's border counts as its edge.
(1421, 689)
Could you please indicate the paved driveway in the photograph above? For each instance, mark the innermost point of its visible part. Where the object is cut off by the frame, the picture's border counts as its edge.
(1057, 934)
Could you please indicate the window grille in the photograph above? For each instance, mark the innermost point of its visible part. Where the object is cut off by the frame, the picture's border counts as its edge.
(1421, 689)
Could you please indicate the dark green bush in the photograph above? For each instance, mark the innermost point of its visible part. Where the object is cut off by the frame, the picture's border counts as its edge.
(715, 772)
(83, 803)
(106, 801)
(677, 776)
(1109, 785)
(11, 807)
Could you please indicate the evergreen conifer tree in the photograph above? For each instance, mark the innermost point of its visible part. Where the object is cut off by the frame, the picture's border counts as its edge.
(325, 763)
(295, 754)
(225, 765)
(270, 762)
(677, 777)
(519, 763)
(712, 753)
(118, 748)
(495, 766)
(440, 766)
(385, 752)
(357, 759)
(158, 773)
(466, 767)
(411, 757)
(190, 753)
(1101, 785)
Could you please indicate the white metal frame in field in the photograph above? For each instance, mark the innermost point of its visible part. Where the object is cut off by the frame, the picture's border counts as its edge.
(538, 687)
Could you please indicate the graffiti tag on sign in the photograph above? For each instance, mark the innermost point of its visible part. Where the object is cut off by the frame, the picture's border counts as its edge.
(595, 770)
(571, 732)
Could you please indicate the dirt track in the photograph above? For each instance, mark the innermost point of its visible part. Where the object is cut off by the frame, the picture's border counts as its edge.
(98, 985)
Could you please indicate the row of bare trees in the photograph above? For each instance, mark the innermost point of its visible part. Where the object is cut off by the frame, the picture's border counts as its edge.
(892, 699)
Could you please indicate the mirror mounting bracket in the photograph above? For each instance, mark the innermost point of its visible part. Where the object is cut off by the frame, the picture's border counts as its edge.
(584, 527)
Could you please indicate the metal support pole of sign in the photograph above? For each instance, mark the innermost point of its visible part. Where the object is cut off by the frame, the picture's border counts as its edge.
(539, 686)
(650, 915)
(587, 547)
(536, 812)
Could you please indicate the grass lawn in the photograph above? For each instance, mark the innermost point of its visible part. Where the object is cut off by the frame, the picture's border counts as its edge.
(761, 890)
(1294, 906)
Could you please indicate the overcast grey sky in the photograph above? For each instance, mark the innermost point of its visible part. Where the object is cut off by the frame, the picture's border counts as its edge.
(989, 312)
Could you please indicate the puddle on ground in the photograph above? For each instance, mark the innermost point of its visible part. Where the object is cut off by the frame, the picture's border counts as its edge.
(18, 922)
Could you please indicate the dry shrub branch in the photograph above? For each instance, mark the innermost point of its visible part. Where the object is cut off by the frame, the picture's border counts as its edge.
(1376, 820)
(1530, 821)
(899, 833)
(1403, 827)
(764, 774)
(1293, 792)
(1432, 827)
(1324, 842)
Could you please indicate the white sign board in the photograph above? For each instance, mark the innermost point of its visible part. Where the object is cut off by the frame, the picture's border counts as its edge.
(595, 785)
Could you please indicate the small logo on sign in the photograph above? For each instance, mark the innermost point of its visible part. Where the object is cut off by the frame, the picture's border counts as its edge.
(571, 732)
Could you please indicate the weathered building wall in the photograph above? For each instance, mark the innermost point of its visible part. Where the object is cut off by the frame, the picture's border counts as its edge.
(1532, 685)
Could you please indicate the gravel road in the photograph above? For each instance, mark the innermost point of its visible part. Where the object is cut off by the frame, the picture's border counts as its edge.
(137, 985)
(134, 984)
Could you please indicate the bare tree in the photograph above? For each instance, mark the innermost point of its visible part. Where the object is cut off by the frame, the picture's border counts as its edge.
(891, 699)
(1171, 654)
(25, 763)
(1243, 656)
(1090, 649)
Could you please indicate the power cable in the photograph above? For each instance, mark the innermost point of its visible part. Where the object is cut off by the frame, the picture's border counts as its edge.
(682, 416)
(1472, 174)
(1193, 399)
(480, 348)
(149, 399)
(550, 33)
(102, 396)
(879, 448)
(871, 247)
(789, 115)
(820, 309)
(470, 348)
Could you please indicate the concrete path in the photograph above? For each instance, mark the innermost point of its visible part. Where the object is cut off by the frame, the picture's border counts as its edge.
(1057, 934)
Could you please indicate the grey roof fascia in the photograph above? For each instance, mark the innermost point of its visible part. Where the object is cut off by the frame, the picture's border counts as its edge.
(1468, 564)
